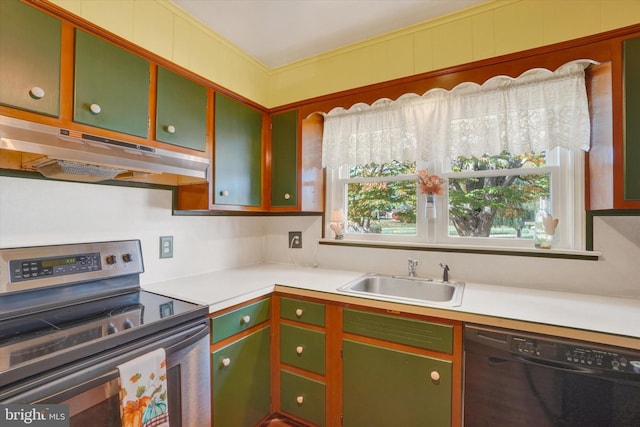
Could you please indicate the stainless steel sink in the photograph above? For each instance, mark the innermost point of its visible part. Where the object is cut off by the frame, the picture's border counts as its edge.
(407, 289)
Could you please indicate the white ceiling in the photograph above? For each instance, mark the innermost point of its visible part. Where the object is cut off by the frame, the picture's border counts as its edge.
(280, 32)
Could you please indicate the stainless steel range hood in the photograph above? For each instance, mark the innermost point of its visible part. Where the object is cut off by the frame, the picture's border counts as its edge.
(71, 155)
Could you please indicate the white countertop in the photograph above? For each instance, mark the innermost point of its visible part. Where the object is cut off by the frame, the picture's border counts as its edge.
(223, 289)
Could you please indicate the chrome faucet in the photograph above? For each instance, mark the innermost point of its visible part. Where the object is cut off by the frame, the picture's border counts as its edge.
(445, 272)
(413, 263)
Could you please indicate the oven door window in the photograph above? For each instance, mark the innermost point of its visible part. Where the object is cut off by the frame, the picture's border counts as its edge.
(100, 405)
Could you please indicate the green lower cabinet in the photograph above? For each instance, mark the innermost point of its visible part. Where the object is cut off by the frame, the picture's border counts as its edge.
(303, 397)
(241, 381)
(302, 348)
(385, 387)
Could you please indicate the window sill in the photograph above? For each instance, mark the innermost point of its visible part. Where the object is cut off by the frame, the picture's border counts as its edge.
(526, 252)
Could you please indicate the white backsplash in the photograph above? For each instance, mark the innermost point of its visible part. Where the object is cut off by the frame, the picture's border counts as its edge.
(616, 273)
(41, 212)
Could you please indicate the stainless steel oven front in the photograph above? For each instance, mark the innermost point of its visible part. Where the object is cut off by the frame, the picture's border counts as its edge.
(90, 387)
(71, 315)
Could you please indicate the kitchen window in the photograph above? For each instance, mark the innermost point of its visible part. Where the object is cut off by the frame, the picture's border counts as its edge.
(495, 151)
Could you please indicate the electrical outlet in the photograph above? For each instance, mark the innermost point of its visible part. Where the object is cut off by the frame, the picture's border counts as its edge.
(295, 240)
(166, 246)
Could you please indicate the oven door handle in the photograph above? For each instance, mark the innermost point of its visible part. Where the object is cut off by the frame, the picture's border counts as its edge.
(115, 373)
(61, 385)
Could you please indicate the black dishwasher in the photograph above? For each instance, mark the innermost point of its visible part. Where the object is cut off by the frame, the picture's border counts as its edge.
(516, 379)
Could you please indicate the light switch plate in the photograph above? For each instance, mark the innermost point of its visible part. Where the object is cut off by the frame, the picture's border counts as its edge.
(166, 246)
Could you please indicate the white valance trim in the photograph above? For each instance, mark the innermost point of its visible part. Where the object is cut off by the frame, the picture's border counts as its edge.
(536, 111)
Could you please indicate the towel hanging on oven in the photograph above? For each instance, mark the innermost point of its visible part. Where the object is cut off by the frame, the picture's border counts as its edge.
(143, 391)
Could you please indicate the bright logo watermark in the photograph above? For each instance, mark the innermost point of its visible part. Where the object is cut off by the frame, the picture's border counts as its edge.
(34, 415)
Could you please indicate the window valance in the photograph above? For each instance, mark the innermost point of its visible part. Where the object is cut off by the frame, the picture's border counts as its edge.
(539, 110)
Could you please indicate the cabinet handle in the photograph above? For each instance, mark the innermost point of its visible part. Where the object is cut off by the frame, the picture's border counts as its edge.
(435, 376)
(300, 400)
(287, 196)
(299, 312)
(224, 193)
(299, 349)
(95, 108)
(171, 129)
(36, 92)
(246, 319)
(226, 361)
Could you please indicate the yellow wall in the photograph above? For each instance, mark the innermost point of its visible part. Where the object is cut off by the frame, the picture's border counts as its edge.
(493, 28)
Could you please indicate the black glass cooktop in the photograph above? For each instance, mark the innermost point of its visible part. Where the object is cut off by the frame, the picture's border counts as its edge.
(113, 320)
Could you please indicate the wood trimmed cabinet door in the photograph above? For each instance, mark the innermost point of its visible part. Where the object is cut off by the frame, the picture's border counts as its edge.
(241, 365)
(30, 46)
(391, 374)
(238, 153)
(302, 360)
(631, 170)
(181, 111)
(111, 86)
(284, 159)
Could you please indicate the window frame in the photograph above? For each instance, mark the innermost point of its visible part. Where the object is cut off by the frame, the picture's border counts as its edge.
(567, 187)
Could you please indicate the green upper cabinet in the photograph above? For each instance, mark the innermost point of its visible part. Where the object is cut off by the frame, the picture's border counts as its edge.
(631, 50)
(238, 153)
(29, 58)
(284, 159)
(181, 111)
(111, 87)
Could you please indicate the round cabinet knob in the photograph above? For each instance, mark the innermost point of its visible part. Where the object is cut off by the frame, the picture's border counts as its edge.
(435, 376)
(226, 361)
(36, 92)
(299, 349)
(299, 312)
(246, 319)
(95, 108)
(224, 193)
(300, 400)
(171, 129)
(287, 196)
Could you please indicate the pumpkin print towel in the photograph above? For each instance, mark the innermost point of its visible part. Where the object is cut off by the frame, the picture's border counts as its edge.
(143, 391)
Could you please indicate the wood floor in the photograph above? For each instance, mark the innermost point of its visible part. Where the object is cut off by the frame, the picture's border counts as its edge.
(281, 421)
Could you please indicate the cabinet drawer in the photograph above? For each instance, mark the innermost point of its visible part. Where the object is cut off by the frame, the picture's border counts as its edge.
(416, 333)
(303, 397)
(302, 311)
(302, 348)
(231, 323)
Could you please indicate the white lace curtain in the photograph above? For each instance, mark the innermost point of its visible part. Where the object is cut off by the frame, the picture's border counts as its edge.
(537, 111)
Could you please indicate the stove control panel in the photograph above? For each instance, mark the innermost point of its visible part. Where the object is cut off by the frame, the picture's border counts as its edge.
(29, 269)
(41, 266)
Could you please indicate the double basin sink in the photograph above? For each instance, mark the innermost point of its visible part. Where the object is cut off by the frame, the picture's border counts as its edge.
(417, 290)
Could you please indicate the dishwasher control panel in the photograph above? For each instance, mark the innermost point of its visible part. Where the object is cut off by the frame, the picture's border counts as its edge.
(575, 354)
(600, 358)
